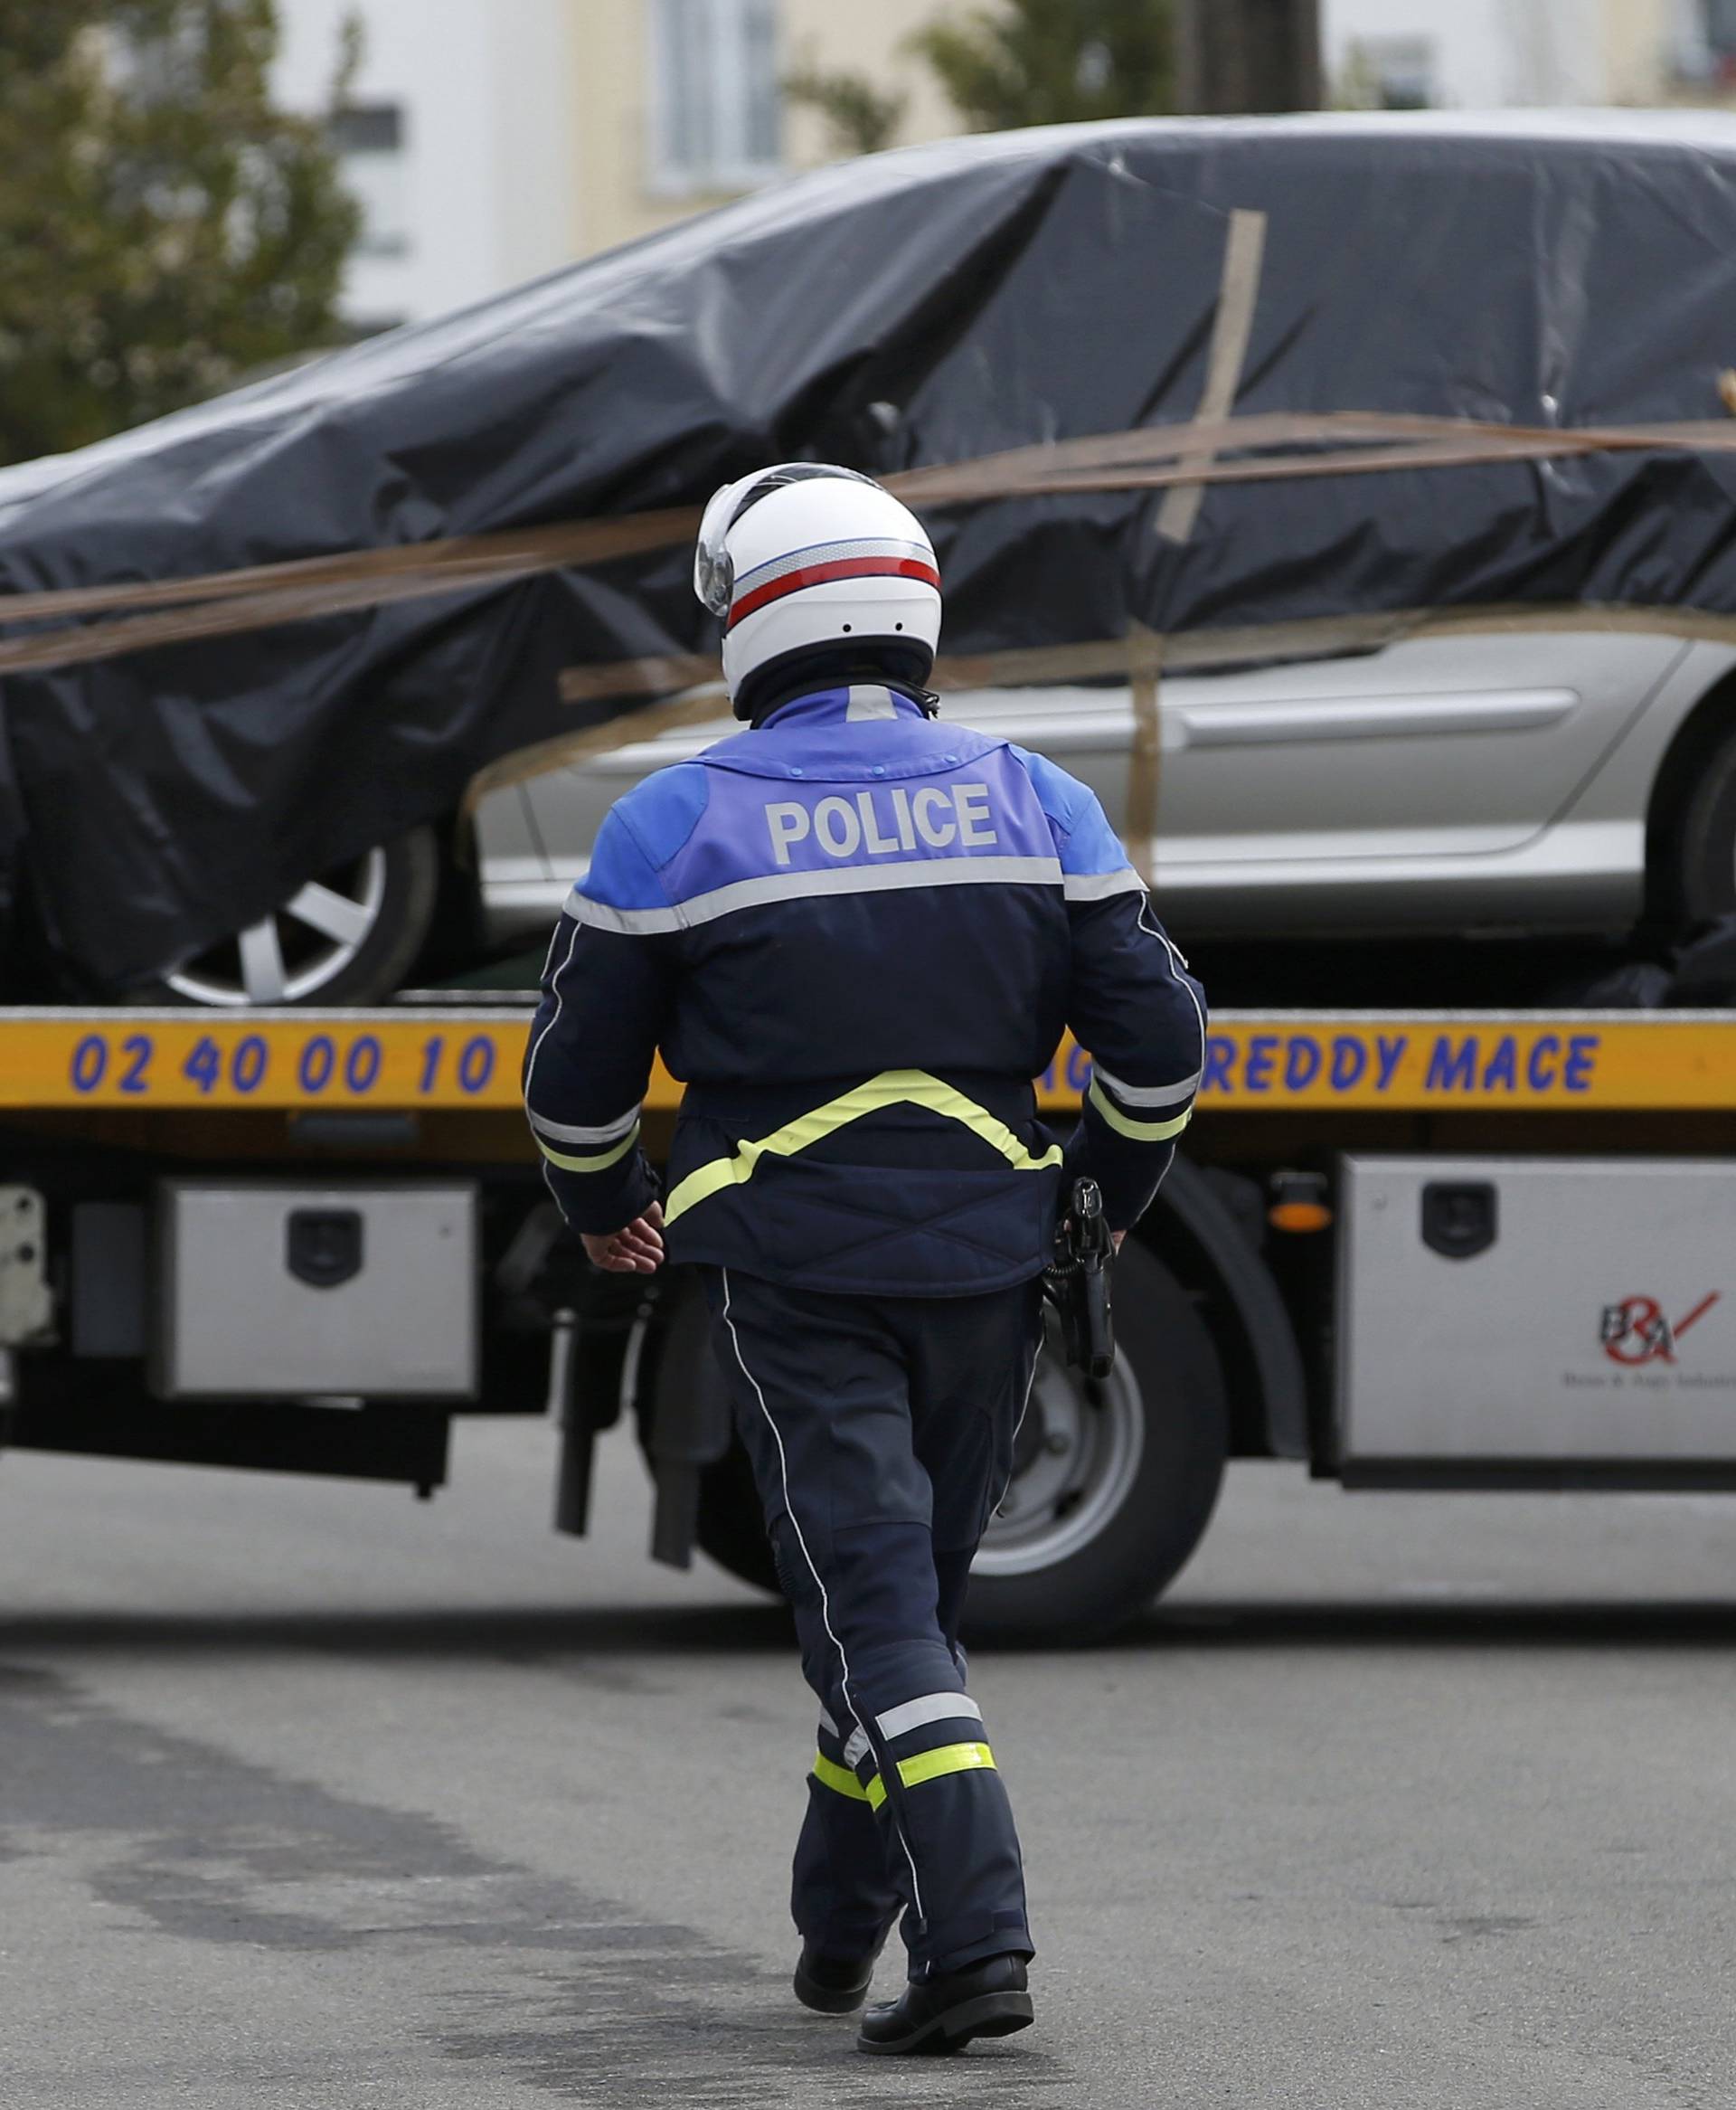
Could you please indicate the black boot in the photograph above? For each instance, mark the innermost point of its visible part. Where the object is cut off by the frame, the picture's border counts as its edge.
(832, 1985)
(939, 2014)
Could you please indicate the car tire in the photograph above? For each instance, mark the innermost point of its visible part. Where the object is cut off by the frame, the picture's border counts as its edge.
(1705, 851)
(349, 937)
(1113, 1485)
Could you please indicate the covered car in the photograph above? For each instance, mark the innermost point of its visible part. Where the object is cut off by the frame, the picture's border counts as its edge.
(1167, 394)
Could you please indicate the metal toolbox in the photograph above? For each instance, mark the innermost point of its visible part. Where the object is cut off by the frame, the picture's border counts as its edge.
(1503, 1309)
(271, 1292)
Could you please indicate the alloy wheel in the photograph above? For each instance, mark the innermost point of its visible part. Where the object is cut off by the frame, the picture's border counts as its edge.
(298, 951)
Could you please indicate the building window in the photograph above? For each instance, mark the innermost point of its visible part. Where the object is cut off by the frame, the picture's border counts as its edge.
(1393, 73)
(369, 138)
(1706, 43)
(715, 105)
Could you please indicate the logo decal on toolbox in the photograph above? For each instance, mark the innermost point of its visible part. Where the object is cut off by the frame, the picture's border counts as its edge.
(1635, 1330)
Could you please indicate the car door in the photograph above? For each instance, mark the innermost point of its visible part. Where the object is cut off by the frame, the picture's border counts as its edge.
(568, 804)
(1448, 745)
(1377, 792)
(1289, 795)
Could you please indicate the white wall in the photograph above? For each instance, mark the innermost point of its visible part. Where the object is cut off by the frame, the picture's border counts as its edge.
(488, 183)
(1489, 52)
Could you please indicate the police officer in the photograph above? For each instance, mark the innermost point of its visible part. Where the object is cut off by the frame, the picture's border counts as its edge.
(857, 934)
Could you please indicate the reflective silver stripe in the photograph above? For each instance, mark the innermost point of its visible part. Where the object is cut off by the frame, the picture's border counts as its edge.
(828, 1724)
(855, 1748)
(561, 1132)
(600, 1162)
(1100, 886)
(1136, 1132)
(933, 1707)
(827, 553)
(1148, 1096)
(726, 901)
(632, 922)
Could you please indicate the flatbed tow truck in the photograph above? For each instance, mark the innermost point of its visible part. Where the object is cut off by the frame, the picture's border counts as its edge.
(1418, 1250)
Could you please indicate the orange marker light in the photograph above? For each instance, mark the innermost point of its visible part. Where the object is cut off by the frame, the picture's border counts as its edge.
(1299, 1216)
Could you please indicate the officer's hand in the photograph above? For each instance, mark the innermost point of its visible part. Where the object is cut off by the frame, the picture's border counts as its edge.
(635, 1251)
(1116, 1238)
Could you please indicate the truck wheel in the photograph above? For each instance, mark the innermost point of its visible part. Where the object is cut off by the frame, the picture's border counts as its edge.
(1113, 1484)
(349, 937)
(731, 1528)
(1706, 852)
(1112, 1488)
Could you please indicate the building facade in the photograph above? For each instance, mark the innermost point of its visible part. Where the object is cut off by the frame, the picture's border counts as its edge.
(681, 102)
(490, 140)
(1489, 55)
(457, 139)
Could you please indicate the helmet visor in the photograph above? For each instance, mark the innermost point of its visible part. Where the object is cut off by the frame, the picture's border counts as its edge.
(713, 567)
(713, 572)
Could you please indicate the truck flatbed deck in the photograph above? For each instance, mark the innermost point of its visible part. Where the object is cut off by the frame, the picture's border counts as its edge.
(1442, 1248)
(451, 1057)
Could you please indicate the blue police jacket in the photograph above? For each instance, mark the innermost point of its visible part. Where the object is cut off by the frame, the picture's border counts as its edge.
(856, 934)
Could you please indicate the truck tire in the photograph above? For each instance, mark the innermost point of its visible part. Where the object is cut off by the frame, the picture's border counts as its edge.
(1705, 874)
(729, 1526)
(1113, 1484)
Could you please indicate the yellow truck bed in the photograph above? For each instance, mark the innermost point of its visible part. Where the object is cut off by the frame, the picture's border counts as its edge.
(450, 1058)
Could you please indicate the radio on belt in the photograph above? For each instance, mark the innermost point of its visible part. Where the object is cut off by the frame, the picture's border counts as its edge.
(268, 1291)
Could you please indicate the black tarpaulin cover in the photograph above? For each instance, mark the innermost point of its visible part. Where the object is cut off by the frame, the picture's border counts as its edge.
(931, 305)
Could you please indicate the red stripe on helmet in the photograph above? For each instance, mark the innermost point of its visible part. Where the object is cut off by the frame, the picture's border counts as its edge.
(827, 575)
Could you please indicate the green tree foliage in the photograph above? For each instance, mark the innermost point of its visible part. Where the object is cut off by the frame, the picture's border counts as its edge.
(860, 116)
(1055, 62)
(163, 229)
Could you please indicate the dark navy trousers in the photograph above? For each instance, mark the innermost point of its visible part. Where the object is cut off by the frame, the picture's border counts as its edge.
(880, 1431)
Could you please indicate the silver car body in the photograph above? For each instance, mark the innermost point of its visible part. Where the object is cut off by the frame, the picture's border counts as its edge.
(1493, 780)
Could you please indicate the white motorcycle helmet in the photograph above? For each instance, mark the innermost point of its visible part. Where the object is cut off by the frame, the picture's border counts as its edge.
(816, 573)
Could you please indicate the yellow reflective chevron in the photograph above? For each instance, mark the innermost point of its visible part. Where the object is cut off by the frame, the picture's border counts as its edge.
(890, 1088)
(1138, 1131)
(948, 1758)
(602, 1164)
(842, 1781)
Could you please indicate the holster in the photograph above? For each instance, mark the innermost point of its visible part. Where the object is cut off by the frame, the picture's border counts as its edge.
(1079, 1282)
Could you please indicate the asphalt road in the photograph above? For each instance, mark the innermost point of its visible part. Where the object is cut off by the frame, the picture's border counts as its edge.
(311, 1797)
